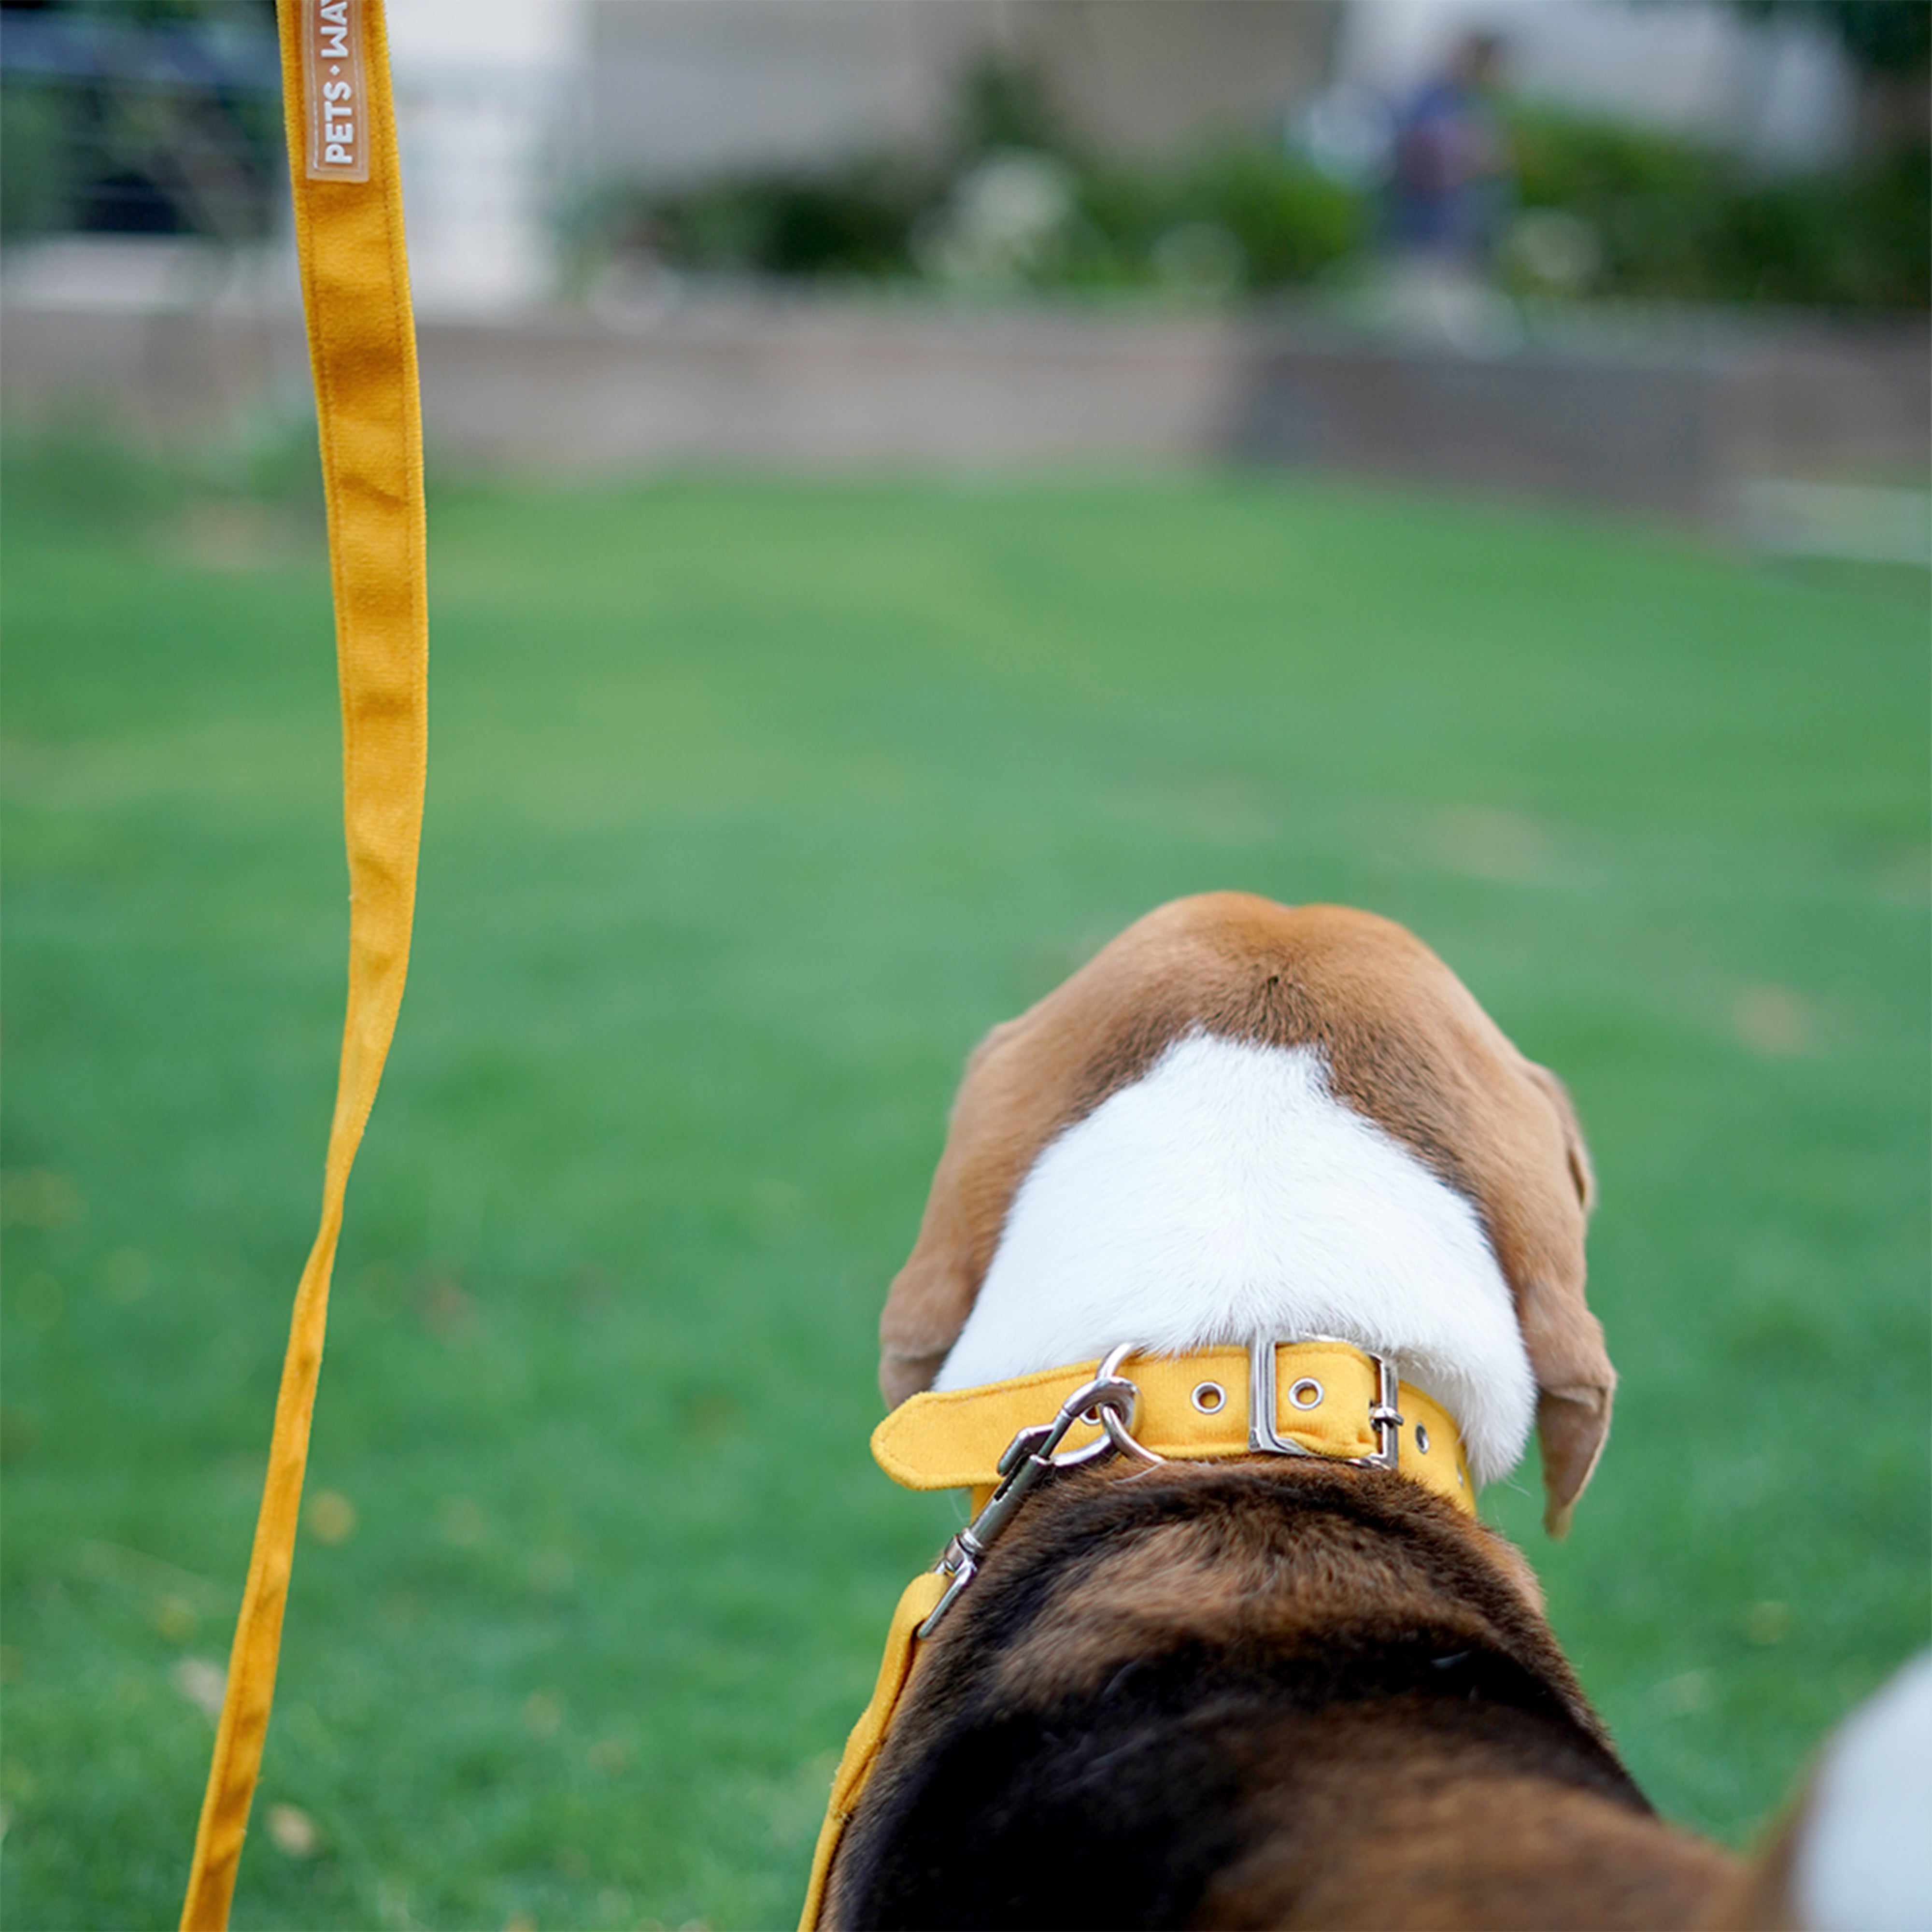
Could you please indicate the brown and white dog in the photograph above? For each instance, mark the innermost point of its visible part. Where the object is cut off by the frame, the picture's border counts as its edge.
(1267, 1691)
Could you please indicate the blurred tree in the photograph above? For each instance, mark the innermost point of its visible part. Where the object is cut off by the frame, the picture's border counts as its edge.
(1878, 36)
(854, 221)
(1005, 103)
(140, 116)
(1677, 220)
(1889, 43)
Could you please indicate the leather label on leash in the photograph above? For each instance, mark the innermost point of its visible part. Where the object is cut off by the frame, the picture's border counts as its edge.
(338, 107)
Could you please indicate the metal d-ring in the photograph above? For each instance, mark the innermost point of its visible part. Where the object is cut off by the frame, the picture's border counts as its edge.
(1117, 1430)
(1097, 1403)
(1108, 1401)
(1121, 1440)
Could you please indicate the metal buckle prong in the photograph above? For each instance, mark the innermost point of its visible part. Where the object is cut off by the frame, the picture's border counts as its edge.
(1264, 1437)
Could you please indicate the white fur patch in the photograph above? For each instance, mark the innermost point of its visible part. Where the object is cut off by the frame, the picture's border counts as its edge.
(1864, 1860)
(1228, 1196)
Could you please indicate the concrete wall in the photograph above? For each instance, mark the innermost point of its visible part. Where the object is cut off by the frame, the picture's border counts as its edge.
(1674, 427)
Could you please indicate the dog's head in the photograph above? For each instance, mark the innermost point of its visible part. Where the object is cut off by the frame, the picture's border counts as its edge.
(1405, 1045)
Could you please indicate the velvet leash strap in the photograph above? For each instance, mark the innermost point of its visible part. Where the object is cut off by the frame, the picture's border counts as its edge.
(917, 1602)
(354, 278)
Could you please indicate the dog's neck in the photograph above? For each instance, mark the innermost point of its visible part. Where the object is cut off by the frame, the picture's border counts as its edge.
(1229, 1197)
(1289, 1695)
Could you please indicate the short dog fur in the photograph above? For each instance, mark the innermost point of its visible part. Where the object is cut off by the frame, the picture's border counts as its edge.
(1268, 1693)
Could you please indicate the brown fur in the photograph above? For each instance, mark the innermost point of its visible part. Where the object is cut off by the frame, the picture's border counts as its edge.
(1406, 1045)
(1474, 1845)
(1267, 1694)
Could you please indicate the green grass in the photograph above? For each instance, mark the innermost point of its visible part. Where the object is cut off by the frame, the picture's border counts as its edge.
(751, 806)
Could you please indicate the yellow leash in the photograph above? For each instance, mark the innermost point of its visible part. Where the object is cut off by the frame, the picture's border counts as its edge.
(354, 276)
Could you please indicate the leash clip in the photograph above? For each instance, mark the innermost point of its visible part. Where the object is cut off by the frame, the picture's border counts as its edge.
(1109, 1400)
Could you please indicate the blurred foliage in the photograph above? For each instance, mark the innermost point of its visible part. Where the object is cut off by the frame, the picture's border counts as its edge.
(34, 193)
(1674, 219)
(855, 220)
(1017, 201)
(1288, 221)
(1240, 215)
(1887, 36)
(1275, 222)
(1005, 103)
(260, 13)
(156, 117)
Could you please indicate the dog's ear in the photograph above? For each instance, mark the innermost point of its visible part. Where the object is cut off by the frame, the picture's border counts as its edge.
(931, 1297)
(1004, 1115)
(1542, 1229)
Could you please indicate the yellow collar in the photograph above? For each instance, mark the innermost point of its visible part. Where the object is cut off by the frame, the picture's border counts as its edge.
(1323, 1398)
(1207, 1406)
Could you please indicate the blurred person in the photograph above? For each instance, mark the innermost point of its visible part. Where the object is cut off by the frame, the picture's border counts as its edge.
(1452, 168)
(1449, 188)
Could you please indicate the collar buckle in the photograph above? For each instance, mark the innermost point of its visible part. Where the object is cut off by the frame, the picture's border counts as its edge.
(1264, 1437)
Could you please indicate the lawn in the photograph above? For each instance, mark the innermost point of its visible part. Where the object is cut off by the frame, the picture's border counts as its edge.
(751, 805)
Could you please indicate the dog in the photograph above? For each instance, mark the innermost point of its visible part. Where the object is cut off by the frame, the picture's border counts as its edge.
(1271, 1247)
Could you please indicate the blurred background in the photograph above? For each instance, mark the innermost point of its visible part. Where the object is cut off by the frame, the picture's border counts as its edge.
(914, 484)
(1672, 255)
